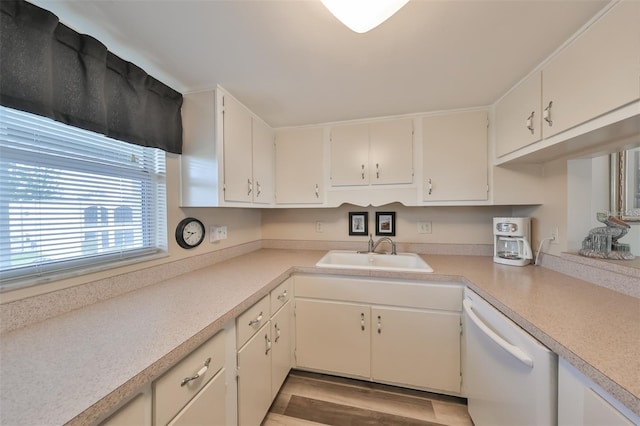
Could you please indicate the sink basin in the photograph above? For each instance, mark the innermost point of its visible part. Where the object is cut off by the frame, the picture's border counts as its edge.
(408, 262)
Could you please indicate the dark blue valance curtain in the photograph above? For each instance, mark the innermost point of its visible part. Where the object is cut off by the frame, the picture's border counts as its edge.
(48, 69)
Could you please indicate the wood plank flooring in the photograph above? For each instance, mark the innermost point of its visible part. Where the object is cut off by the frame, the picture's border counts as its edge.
(318, 399)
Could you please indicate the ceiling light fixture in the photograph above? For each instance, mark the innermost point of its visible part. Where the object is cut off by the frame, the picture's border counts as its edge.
(363, 15)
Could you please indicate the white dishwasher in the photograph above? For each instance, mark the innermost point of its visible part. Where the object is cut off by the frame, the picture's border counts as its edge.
(509, 377)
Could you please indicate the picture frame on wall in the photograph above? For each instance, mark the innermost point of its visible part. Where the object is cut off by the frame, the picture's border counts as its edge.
(358, 223)
(386, 224)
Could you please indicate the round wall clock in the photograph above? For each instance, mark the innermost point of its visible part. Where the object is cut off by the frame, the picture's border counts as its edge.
(190, 233)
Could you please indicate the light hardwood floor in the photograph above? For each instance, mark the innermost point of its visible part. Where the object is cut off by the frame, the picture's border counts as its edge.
(317, 399)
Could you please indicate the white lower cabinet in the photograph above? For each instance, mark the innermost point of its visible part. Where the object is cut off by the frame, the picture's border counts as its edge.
(582, 402)
(333, 337)
(184, 394)
(206, 408)
(254, 377)
(416, 348)
(264, 353)
(344, 327)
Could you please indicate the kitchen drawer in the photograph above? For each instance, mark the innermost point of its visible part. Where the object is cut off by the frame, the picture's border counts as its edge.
(410, 294)
(169, 396)
(251, 320)
(281, 295)
(208, 407)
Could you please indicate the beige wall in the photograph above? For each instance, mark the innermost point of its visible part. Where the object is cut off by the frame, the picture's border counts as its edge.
(553, 212)
(452, 225)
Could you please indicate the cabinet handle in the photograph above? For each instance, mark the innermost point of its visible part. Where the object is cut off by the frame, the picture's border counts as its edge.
(282, 296)
(258, 189)
(547, 114)
(379, 324)
(530, 122)
(249, 187)
(317, 191)
(277, 333)
(198, 374)
(362, 321)
(267, 344)
(377, 171)
(430, 186)
(363, 172)
(256, 321)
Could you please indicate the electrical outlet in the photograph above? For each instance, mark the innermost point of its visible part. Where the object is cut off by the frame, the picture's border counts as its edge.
(424, 227)
(217, 233)
(555, 233)
(320, 227)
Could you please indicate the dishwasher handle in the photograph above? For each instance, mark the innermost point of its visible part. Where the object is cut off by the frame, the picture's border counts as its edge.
(512, 350)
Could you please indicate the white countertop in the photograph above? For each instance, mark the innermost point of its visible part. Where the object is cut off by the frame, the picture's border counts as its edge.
(77, 366)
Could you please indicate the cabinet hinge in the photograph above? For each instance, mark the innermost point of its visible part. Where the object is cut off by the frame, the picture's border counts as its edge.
(237, 372)
(487, 189)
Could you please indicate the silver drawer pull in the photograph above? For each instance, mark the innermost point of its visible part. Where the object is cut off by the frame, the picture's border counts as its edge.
(198, 374)
(255, 321)
(267, 344)
(282, 296)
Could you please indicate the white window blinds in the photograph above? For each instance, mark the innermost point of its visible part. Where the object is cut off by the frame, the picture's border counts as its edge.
(70, 198)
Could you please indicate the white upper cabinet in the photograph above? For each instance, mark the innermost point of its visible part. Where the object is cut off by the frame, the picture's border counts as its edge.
(455, 157)
(263, 157)
(377, 153)
(598, 72)
(248, 155)
(299, 173)
(238, 174)
(588, 94)
(228, 153)
(391, 152)
(518, 116)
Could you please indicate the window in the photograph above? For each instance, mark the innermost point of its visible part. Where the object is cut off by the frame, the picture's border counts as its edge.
(72, 199)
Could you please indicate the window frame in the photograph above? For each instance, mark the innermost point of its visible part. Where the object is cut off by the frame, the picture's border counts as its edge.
(150, 175)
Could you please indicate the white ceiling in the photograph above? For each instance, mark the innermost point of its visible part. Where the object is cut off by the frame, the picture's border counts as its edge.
(293, 63)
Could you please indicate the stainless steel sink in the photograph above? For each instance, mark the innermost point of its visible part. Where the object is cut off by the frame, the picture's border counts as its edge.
(408, 262)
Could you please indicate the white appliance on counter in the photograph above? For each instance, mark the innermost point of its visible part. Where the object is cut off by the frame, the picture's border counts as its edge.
(509, 377)
(511, 240)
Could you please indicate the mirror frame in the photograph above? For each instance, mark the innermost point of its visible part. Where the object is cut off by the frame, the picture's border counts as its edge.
(619, 185)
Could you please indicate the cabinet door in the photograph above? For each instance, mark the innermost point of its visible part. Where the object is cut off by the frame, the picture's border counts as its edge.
(391, 152)
(597, 73)
(333, 337)
(263, 158)
(238, 179)
(281, 348)
(206, 408)
(350, 155)
(518, 116)
(254, 378)
(455, 164)
(416, 348)
(299, 166)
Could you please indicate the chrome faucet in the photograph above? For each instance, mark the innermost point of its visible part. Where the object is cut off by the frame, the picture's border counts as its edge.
(373, 246)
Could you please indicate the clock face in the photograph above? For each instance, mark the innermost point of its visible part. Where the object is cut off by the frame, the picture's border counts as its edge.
(190, 233)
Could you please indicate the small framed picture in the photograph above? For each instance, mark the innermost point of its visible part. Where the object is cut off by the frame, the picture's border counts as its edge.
(386, 224)
(358, 223)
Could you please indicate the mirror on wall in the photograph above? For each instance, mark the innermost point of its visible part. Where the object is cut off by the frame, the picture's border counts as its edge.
(607, 184)
(625, 185)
